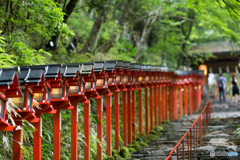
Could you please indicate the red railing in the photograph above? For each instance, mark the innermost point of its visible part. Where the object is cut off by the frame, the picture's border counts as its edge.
(193, 136)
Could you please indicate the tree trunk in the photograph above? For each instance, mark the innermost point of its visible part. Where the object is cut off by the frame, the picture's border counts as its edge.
(7, 25)
(147, 28)
(191, 15)
(123, 21)
(68, 11)
(91, 43)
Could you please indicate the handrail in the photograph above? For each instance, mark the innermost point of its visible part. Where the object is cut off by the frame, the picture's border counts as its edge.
(202, 123)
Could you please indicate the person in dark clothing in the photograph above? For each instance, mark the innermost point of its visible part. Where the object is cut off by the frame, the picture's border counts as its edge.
(221, 87)
(235, 90)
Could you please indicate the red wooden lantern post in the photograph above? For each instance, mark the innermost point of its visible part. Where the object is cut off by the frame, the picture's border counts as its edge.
(141, 84)
(190, 92)
(59, 100)
(147, 70)
(135, 70)
(90, 91)
(9, 89)
(114, 70)
(202, 74)
(151, 86)
(158, 92)
(180, 92)
(172, 97)
(32, 81)
(126, 71)
(171, 93)
(166, 95)
(154, 80)
(101, 72)
(195, 101)
(120, 86)
(170, 73)
(163, 84)
(122, 70)
(71, 73)
(176, 85)
(160, 95)
(127, 80)
(186, 82)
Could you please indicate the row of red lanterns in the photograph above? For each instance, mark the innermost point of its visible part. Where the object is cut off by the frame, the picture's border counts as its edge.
(57, 87)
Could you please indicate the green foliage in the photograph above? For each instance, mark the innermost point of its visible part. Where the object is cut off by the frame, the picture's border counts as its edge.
(124, 153)
(132, 150)
(6, 60)
(153, 132)
(142, 143)
(135, 145)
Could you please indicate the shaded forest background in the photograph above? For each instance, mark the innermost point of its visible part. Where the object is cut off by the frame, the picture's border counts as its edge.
(66, 31)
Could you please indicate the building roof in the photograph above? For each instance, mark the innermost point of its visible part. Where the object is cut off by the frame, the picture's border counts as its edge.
(215, 47)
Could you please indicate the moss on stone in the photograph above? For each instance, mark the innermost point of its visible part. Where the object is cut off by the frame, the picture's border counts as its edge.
(124, 153)
(132, 150)
(136, 145)
(114, 152)
(166, 122)
(118, 157)
(153, 132)
(158, 128)
(142, 143)
(152, 137)
(143, 138)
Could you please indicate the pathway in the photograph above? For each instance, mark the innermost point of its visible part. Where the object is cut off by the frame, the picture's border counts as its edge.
(220, 136)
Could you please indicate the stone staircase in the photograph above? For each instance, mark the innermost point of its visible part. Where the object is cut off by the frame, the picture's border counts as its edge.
(220, 137)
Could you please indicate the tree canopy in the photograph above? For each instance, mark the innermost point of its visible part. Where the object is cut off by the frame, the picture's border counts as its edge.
(147, 31)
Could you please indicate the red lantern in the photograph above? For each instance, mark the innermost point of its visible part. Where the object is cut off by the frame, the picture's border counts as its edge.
(9, 89)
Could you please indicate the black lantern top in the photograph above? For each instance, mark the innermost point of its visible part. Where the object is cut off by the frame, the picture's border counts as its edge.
(52, 74)
(110, 69)
(119, 64)
(98, 67)
(70, 70)
(141, 75)
(52, 71)
(9, 82)
(102, 77)
(154, 70)
(7, 76)
(31, 75)
(87, 68)
(109, 66)
(147, 70)
(126, 65)
(76, 83)
(88, 75)
(158, 74)
(135, 69)
(126, 72)
(119, 74)
(164, 71)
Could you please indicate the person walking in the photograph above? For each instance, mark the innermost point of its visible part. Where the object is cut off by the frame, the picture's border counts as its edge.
(221, 87)
(235, 90)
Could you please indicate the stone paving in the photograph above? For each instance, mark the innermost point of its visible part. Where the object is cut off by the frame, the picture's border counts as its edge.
(220, 136)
